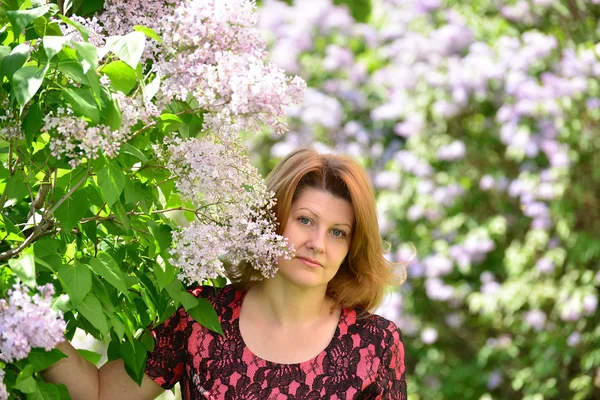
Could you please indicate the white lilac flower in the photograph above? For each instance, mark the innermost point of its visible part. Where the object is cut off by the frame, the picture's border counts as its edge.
(234, 210)
(3, 392)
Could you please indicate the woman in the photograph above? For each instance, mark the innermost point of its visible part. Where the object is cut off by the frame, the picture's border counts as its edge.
(305, 333)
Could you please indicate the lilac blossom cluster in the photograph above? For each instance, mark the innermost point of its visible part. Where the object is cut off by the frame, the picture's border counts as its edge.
(420, 76)
(234, 218)
(74, 138)
(213, 53)
(28, 321)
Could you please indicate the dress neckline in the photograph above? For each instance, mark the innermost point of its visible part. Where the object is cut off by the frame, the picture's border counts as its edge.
(236, 327)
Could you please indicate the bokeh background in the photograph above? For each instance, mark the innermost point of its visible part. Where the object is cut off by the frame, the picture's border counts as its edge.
(478, 121)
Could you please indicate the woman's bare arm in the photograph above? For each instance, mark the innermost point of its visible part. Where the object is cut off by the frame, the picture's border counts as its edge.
(85, 381)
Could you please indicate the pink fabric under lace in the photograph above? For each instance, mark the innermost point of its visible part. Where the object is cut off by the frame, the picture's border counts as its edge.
(364, 360)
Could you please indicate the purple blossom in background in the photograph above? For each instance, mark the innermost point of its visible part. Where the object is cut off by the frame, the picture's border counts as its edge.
(574, 339)
(536, 319)
(437, 265)
(337, 57)
(452, 152)
(426, 6)
(392, 307)
(413, 164)
(412, 125)
(571, 311)
(545, 265)
(437, 290)
(454, 320)
(429, 335)
(590, 304)
(28, 321)
(494, 380)
(387, 180)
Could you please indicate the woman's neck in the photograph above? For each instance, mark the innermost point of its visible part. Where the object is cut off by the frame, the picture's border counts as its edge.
(288, 305)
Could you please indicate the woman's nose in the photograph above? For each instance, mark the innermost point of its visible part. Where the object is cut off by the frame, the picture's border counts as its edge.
(317, 241)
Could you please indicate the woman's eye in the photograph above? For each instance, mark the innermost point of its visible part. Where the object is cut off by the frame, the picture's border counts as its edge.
(304, 220)
(338, 233)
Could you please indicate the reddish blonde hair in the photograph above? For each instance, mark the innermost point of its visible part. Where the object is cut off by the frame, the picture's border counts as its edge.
(364, 275)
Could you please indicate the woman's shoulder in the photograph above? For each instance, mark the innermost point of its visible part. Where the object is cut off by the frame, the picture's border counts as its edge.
(373, 324)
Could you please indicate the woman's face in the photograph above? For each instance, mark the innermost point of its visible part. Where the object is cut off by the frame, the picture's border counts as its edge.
(319, 227)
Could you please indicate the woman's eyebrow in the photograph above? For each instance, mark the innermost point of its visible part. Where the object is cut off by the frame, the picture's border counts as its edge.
(316, 215)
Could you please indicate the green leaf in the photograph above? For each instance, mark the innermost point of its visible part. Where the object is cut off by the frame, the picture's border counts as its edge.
(71, 67)
(164, 273)
(104, 265)
(151, 33)
(64, 392)
(170, 122)
(77, 280)
(21, 18)
(45, 246)
(25, 382)
(188, 300)
(111, 181)
(80, 28)
(205, 315)
(175, 290)
(128, 48)
(26, 83)
(72, 210)
(42, 359)
(53, 45)
(121, 215)
(112, 114)
(24, 268)
(4, 51)
(83, 8)
(126, 148)
(91, 309)
(15, 60)
(91, 356)
(83, 103)
(87, 52)
(14, 191)
(162, 234)
(33, 121)
(117, 324)
(122, 76)
(45, 391)
(134, 355)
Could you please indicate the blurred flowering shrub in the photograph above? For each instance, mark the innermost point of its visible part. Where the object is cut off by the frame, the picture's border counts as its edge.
(123, 169)
(479, 123)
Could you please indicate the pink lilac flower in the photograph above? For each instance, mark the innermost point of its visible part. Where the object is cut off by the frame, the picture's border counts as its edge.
(28, 321)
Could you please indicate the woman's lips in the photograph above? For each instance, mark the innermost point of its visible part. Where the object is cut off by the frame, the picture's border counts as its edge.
(310, 262)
